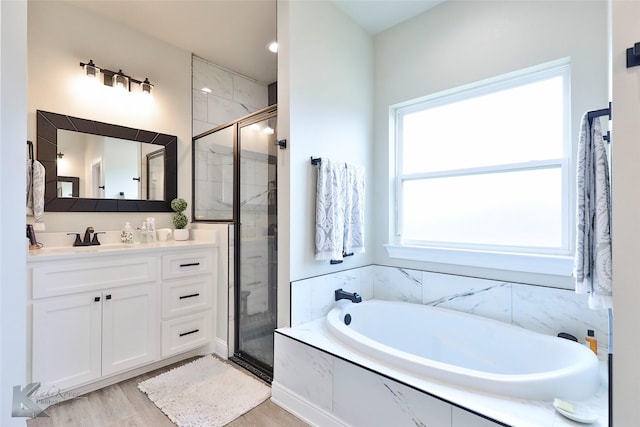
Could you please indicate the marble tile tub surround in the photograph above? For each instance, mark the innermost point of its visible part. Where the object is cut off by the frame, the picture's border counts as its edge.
(538, 308)
(329, 384)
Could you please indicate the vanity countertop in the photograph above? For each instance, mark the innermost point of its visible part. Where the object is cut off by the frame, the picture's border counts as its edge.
(55, 250)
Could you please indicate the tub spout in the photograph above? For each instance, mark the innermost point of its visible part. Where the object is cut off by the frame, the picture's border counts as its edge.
(351, 296)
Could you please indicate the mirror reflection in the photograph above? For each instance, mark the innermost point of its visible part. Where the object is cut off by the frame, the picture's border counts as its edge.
(109, 168)
(68, 186)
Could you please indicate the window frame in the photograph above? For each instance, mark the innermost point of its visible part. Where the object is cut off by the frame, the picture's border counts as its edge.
(519, 258)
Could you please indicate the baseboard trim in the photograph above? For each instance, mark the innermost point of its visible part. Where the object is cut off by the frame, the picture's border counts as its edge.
(302, 408)
(220, 348)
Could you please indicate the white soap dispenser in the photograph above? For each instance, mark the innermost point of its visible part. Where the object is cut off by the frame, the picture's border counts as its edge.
(143, 233)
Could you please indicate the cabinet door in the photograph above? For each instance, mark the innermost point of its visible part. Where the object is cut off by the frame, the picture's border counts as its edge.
(131, 327)
(66, 340)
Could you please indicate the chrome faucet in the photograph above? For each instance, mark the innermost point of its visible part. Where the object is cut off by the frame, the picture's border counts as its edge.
(351, 296)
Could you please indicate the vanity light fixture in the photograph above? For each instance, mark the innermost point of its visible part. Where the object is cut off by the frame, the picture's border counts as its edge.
(118, 80)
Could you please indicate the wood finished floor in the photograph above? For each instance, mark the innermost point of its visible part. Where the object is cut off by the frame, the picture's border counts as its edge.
(123, 405)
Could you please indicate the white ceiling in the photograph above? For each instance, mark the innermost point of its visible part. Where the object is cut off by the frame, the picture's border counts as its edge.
(234, 33)
(376, 16)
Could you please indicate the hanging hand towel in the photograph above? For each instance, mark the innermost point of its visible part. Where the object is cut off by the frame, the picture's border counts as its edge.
(354, 209)
(592, 264)
(35, 189)
(330, 210)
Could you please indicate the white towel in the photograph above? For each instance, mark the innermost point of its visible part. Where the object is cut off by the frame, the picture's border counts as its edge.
(354, 209)
(592, 264)
(339, 210)
(35, 189)
(330, 207)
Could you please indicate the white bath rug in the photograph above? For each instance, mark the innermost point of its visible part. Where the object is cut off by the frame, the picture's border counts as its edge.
(205, 392)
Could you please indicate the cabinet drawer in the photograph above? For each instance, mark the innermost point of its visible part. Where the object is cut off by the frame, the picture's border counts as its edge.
(185, 333)
(187, 264)
(62, 277)
(185, 296)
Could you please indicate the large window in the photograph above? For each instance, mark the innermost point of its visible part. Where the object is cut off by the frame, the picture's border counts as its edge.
(486, 167)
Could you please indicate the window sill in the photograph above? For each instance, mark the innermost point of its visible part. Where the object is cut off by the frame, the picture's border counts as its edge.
(528, 263)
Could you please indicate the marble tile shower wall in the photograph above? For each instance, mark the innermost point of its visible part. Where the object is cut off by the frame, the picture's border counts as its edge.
(542, 309)
(214, 179)
(231, 96)
(255, 176)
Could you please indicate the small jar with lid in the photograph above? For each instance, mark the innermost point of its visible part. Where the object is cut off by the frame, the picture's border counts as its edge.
(126, 236)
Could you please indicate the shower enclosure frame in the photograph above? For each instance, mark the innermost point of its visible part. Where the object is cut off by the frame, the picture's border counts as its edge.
(239, 356)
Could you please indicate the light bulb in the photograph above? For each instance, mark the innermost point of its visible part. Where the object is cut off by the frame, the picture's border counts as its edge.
(273, 47)
(120, 81)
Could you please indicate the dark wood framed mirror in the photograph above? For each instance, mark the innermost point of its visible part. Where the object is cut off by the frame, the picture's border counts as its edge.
(48, 125)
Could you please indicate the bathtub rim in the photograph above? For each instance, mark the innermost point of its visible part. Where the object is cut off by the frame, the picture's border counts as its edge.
(502, 383)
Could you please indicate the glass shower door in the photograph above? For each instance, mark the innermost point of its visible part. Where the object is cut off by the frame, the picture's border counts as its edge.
(256, 237)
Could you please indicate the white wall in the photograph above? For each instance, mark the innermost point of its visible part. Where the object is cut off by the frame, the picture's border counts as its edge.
(60, 37)
(330, 104)
(461, 42)
(284, 162)
(625, 208)
(13, 135)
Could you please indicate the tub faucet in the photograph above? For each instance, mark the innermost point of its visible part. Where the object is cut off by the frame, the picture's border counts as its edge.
(352, 296)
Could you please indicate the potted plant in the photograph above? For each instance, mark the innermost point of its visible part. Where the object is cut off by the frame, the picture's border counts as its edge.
(180, 220)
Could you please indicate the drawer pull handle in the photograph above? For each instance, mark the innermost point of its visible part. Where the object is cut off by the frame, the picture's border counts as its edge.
(191, 264)
(254, 257)
(190, 332)
(189, 296)
(96, 299)
(253, 283)
(108, 296)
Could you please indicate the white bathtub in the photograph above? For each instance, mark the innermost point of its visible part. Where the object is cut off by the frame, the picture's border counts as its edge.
(467, 350)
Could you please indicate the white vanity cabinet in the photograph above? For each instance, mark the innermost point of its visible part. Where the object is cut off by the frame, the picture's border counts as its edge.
(99, 315)
(79, 338)
(111, 325)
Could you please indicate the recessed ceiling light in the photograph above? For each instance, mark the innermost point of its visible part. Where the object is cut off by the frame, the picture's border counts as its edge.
(206, 90)
(273, 47)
